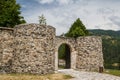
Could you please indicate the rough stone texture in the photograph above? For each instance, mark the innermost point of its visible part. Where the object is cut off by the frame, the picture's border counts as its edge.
(6, 49)
(86, 52)
(33, 48)
(89, 56)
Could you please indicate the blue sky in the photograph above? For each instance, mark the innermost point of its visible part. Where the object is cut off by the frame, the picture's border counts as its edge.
(95, 14)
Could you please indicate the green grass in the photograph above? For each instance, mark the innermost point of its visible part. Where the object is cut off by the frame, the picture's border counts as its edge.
(113, 72)
(61, 67)
(68, 77)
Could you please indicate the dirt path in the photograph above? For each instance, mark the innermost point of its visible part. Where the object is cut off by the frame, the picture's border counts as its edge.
(81, 75)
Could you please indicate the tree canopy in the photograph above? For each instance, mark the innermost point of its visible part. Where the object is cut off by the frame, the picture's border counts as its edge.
(10, 13)
(77, 29)
(42, 20)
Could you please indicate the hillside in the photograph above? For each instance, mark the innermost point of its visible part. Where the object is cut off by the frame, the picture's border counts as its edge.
(99, 32)
(111, 47)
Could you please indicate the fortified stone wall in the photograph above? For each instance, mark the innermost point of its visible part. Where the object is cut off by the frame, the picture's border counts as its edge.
(6, 47)
(33, 49)
(86, 52)
(89, 56)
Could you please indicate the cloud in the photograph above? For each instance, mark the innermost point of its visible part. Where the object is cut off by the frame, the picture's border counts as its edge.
(106, 11)
(51, 1)
(62, 2)
(108, 26)
(45, 1)
(62, 13)
(115, 20)
(23, 6)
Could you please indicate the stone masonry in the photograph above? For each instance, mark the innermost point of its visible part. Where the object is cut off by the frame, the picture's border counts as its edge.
(6, 48)
(33, 48)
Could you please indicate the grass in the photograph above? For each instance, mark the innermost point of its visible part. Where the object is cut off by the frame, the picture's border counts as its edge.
(61, 67)
(113, 72)
(34, 77)
(68, 77)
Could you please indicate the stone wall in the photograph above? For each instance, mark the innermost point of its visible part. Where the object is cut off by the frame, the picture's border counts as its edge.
(33, 49)
(6, 48)
(89, 56)
(86, 52)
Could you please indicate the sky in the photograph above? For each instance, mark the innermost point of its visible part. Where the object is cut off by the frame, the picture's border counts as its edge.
(95, 14)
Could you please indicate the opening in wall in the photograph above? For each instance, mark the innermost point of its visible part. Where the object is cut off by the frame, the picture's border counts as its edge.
(64, 57)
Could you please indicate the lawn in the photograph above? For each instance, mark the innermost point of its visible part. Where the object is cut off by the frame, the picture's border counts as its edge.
(34, 77)
(113, 72)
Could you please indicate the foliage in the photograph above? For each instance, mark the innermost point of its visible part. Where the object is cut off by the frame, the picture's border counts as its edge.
(115, 34)
(62, 51)
(111, 45)
(77, 29)
(10, 13)
(42, 20)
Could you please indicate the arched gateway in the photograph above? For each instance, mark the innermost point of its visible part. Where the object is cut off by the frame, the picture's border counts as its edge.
(33, 48)
(70, 42)
(64, 56)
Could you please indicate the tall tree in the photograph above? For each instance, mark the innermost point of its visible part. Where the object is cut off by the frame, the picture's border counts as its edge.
(77, 29)
(10, 13)
(42, 20)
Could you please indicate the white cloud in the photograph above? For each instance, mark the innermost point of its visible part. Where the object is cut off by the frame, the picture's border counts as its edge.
(45, 1)
(109, 26)
(23, 6)
(63, 1)
(92, 14)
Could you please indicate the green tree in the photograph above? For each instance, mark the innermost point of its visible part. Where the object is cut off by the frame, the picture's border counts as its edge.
(10, 13)
(77, 29)
(42, 20)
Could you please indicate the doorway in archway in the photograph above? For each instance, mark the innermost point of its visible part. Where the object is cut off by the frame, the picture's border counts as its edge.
(64, 57)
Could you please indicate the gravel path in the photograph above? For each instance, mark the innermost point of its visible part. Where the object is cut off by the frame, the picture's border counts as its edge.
(81, 75)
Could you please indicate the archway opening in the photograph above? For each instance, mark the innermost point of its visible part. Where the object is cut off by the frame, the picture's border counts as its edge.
(64, 57)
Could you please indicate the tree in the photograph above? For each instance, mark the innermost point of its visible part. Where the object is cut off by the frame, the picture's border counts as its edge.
(77, 29)
(10, 13)
(42, 20)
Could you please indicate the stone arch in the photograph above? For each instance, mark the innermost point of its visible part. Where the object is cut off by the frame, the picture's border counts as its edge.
(67, 56)
(59, 41)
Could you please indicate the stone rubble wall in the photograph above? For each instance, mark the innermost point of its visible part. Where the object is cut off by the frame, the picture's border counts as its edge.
(86, 52)
(6, 48)
(65, 40)
(33, 49)
(89, 56)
